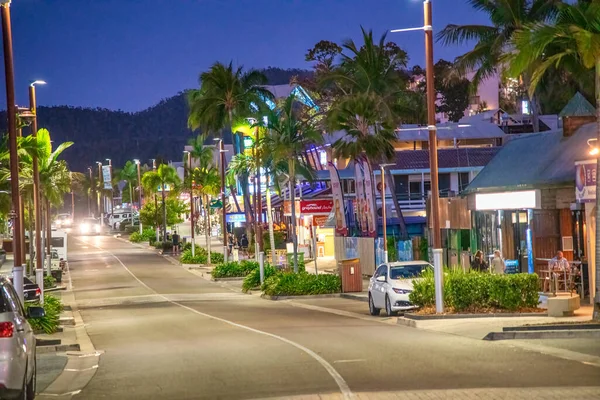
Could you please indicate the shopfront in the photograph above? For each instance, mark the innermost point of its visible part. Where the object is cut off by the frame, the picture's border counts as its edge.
(312, 218)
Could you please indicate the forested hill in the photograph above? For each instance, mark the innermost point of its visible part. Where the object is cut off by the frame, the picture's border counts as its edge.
(157, 132)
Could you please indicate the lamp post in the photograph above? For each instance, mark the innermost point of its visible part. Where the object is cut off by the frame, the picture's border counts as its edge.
(224, 222)
(36, 179)
(112, 195)
(137, 162)
(383, 211)
(191, 177)
(156, 203)
(92, 191)
(433, 157)
(72, 198)
(101, 189)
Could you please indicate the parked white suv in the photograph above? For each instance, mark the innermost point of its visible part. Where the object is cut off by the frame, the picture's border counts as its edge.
(17, 345)
(391, 284)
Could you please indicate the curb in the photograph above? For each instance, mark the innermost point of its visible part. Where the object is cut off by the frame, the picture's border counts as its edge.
(232, 279)
(564, 334)
(55, 289)
(57, 348)
(66, 321)
(354, 297)
(313, 296)
(566, 327)
(407, 322)
(418, 317)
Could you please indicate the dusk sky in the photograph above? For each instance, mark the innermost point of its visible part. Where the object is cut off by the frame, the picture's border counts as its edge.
(130, 54)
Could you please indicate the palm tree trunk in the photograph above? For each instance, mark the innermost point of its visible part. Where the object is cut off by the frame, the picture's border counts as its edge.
(596, 314)
(207, 227)
(131, 197)
(164, 207)
(270, 221)
(31, 240)
(235, 200)
(293, 200)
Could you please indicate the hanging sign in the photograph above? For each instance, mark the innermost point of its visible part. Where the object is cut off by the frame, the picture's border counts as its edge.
(106, 177)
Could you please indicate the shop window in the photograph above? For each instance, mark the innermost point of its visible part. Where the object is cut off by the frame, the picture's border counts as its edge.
(444, 184)
(463, 181)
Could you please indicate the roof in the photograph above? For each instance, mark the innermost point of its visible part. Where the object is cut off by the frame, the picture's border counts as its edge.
(447, 158)
(578, 106)
(535, 160)
(280, 91)
(475, 129)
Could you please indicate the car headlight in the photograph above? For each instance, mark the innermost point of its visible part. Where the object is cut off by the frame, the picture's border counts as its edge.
(97, 228)
(402, 291)
(85, 228)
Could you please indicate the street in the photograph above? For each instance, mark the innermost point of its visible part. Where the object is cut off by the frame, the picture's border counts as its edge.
(167, 333)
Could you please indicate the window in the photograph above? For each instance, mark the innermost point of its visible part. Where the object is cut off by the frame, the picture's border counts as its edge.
(463, 181)
(382, 270)
(58, 242)
(401, 182)
(13, 300)
(444, 184)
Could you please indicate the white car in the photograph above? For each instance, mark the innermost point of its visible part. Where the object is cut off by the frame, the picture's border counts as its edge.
(63, 221)
(90, 226)
(391, 284)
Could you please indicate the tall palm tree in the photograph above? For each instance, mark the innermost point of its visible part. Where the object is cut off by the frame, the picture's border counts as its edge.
(287, 139)
(573, 43)
(206, 184)
(160, 180)
(201, 154)
(493, 41)
(129, 174)
(226, 95)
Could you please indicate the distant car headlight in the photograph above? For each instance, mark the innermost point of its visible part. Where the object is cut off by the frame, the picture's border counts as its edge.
(84, 228)
(402, 291)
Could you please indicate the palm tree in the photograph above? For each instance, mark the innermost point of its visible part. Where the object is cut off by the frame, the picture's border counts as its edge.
(206, 182)
(201, 154)
(573, 43)
(128, 174)
(240, 168)
(162, 179)
(227, 95)
(287, 139)
(494, 41)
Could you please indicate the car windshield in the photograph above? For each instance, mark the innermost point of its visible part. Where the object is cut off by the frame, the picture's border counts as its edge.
(407, 271)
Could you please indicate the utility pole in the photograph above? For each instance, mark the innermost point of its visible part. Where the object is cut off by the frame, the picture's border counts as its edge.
(100, 197)
(12, 139)
(189, 155)
(224, 221)
(383, 211)
(92, 194)
(112, 194)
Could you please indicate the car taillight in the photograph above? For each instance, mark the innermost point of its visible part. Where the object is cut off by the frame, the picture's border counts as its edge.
(6, 329)
(38, 292)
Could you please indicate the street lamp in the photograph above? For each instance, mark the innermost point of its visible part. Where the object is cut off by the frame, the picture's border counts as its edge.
(11, 110)
(92, 192)
(224, 222)
(155, 202)
(137, 163)
(100, 197)
(433, 157)
(189, 159)
(112, 194)
(383, 209)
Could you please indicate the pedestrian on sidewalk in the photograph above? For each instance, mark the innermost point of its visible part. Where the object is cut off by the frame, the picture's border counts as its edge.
(479, 263)
(175, 242)
(498, 265)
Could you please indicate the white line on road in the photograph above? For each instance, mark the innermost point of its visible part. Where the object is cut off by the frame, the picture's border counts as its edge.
(81, 370)
(339, 380)
(349, 361)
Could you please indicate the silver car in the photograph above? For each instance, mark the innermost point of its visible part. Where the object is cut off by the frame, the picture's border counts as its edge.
(17, 345)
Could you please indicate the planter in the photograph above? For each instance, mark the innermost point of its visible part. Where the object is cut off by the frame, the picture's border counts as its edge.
(425, 317)
(308, 296)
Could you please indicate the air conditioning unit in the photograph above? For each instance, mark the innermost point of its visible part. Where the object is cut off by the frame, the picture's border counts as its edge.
(567, 243)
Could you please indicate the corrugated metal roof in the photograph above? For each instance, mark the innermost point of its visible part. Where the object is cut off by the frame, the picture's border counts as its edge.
(473, 130)
(447, 158)
(535, 160)
(578, 106)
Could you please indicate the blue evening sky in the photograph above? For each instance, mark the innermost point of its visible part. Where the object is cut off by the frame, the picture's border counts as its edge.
(130, 54)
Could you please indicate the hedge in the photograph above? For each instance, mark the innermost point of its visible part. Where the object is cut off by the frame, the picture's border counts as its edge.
(201, 256)
(300, 284)
(234, 269)
(476, 290)
(252, 280)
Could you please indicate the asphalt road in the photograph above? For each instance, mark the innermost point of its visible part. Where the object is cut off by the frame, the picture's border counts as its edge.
(168, 334)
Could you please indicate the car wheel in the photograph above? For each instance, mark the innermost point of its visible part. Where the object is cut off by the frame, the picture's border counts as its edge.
(31, 386)
(388, 306)
(374, 311)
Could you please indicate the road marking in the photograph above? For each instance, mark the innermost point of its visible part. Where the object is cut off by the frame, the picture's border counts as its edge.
(339, 380)
(81, 370)
(349, 361)
(73, 393)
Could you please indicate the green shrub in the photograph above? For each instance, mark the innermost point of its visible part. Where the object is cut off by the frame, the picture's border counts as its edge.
(279, 240)
(132, 228)
(475, 290)
(148, 235)
(49, 323)
(291, 284)
(252, 280)
(135, 237)
(216, 258)
(164, 246)
(49, 281)
(234, 269)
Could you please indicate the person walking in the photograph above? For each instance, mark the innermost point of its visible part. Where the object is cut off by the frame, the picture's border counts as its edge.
(479, 263)
(175, 242)
(498, 265)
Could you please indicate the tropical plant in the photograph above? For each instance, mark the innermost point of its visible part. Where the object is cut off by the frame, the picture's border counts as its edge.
(128, 174)
(572, 42)
(205, 183)
(494, 41)
(163, 179)
(287, 138)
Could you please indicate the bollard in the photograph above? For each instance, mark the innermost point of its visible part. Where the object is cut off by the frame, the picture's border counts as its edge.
(385, 256)
(438, 278)
(39, 279)
(225, 253)
(256, 248)
(18, 282)
(49, 264)
(193, 247)
(261, 264)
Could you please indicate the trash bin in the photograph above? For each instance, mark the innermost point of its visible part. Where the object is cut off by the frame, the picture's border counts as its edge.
(351, 275)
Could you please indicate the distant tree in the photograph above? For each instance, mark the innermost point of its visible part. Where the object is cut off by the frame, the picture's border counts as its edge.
(158, 181)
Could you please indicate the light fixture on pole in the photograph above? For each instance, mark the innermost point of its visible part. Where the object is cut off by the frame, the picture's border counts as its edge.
(433, 157)
(155, 203)
(101, 196)
(137, 163)
(383, 211)
(224, 222)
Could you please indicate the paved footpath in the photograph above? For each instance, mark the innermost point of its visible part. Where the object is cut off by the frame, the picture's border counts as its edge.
(166, 333)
